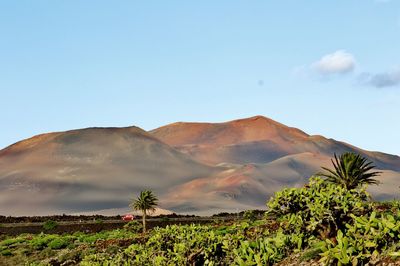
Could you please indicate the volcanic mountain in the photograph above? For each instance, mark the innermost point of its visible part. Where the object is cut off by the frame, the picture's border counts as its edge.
(193, 167)
(89, 169)
(263, 156)
(255, 140)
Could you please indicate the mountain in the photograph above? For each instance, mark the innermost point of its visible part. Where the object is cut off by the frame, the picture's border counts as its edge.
(200, 168)
(88, 169)
(272, 154)
(255, 140)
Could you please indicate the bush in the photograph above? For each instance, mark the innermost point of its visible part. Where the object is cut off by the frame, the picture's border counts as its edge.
(319, 209)
(49, 225)
(58, 243)
(6, 252)
(175, 245)
(362, 242)
(134, 226)
(268, 250)
(41, 241)
(250, 215)
(165, 219)
(11, 241)
(321, 222)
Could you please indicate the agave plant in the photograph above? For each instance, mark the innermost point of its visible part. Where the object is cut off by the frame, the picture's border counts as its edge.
(146, 202)
(350, 171)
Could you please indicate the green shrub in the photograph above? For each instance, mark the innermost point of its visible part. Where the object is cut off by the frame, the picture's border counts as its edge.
(104, 235)
(165, 219)
(6, 252)
(58, 243)
(173, 245)
(71, 255)
(134, 226)
(11, 241)
(319, 209)
(41, 241)
(268, 250)
(370, 236)
(250, 215)
(320, 221)
(49, 225)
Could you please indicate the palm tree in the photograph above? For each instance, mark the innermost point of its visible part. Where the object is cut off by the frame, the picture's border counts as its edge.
(350, 171)
(146, 202)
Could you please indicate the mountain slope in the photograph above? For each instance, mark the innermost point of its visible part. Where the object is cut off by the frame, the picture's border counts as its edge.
(262, 156)
(255, 140)
(89, 169)
(201, 168)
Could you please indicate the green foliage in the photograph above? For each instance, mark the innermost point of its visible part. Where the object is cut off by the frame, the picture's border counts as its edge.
(175, 245)
(266, 251)
(318, 209)
(133, 226)
(49, 225)
(350, 171)
(180, 245)
(204, 245)
(71, 255)
(6, 252)
(58, 243)
(318, 223)
(165, 219)
(104, 235)
(146, 201)
(391, 206)
(250, 215)
(62, 248)
(364, 240)
(11, 241)
(41, 241)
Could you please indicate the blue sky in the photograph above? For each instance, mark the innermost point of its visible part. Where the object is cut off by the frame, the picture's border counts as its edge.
(326, 67)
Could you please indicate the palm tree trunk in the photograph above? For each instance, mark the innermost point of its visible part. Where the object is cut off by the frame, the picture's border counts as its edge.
(144, 221)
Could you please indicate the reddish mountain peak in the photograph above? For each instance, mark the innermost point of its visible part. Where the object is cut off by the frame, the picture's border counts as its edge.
(255, 128)
(260, 122)
(256, 119)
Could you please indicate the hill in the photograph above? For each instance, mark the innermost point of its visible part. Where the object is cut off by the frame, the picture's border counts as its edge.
(199, 168)
(88, 170)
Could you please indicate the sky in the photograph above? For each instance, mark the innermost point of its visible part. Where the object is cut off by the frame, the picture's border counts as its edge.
(327, 67)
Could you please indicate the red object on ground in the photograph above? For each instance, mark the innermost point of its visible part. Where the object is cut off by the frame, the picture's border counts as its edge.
(128, 217)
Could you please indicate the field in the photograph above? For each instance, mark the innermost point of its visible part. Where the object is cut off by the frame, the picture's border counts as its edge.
(67, 243)
(319, 224)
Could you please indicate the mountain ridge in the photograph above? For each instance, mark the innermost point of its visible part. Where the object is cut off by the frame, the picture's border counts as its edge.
(229, 139)
(199, 168)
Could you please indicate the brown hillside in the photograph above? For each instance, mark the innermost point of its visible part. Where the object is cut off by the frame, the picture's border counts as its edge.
(201, 168)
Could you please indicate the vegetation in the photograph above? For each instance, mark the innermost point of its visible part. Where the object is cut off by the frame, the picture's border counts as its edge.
(321, 222)
(350, 171)
(146, 202)
(49, 225)
(319, 209)
(134, 226)
(49, 249)
(326, 223)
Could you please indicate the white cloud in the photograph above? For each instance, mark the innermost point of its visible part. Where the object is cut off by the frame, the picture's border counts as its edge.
(339, 62)
(381, 80)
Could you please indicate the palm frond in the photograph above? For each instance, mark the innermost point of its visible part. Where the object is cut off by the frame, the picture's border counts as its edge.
(351, 170)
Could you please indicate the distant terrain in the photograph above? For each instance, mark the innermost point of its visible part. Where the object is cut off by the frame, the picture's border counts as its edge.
(197, 168)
